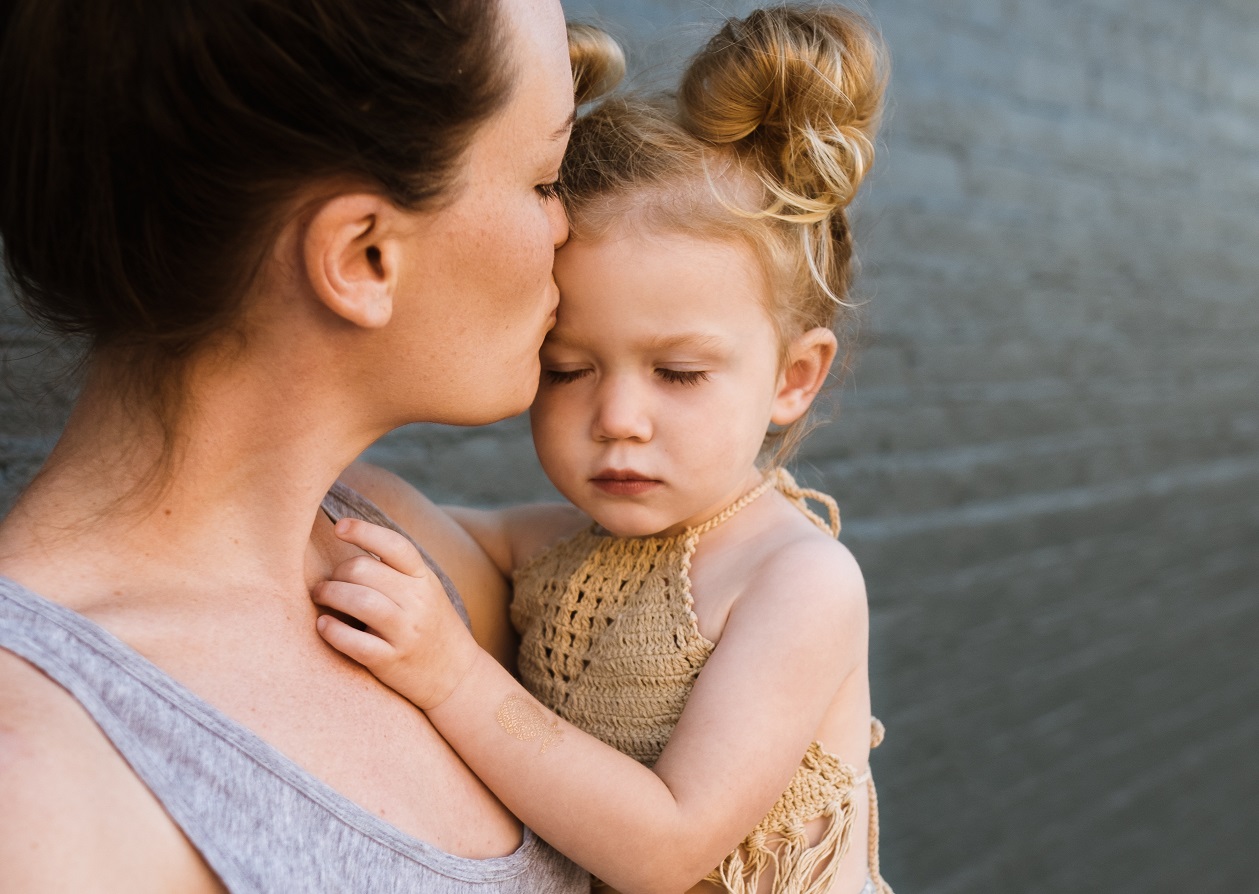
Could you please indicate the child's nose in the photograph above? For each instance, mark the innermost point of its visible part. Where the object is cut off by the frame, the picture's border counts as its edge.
(622, 413)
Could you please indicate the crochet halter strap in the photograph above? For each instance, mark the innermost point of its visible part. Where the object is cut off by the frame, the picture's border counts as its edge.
(781, 479)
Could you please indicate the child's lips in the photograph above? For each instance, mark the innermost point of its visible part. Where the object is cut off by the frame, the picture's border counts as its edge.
(622, 483)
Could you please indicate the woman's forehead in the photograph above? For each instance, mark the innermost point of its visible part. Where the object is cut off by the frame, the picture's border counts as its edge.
(537, 43)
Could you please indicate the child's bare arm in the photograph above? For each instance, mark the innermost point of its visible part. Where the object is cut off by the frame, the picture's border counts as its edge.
(753, 711)
(512, 536)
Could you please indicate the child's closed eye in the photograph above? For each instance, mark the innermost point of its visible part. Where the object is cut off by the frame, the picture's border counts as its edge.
(562, 376)
(682, 376)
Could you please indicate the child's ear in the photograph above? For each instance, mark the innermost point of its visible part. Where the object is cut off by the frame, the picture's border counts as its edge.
(352, 258)
(809, 360)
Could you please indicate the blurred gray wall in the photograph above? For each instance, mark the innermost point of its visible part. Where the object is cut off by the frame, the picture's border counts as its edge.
(1048, 455)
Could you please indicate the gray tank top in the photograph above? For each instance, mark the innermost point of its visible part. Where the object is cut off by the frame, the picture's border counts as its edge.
(262, 823)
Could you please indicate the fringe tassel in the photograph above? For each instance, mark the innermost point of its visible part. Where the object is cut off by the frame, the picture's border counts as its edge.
(793, 860)
(872, 858)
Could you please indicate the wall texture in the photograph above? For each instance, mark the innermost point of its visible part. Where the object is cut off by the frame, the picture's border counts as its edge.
(1048, 455)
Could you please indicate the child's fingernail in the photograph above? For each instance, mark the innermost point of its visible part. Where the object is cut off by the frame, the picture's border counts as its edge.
(321, 622)
(342, 525)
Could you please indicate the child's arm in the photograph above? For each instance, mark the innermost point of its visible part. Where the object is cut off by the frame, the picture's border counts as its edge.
(783, 654)
(509, 537)
(512, 536)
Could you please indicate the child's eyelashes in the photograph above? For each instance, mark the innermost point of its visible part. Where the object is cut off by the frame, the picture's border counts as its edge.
(548, 191)
(562, 376)
(667, 374)
(682, 376)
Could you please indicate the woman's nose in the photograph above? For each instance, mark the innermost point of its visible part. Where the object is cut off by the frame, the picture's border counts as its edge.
(622, 413)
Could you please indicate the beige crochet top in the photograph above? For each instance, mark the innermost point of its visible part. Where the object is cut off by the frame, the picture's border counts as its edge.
(609, 641)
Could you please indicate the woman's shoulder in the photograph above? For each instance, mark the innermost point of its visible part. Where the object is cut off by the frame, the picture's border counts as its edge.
(426, 522)
(75, 815)
(39, 721)
(401, 501)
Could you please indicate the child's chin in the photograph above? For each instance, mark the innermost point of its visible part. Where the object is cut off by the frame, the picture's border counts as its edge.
(622, 527)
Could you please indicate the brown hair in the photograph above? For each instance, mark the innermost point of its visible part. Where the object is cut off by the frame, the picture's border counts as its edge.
(150, 147)
(767, 140)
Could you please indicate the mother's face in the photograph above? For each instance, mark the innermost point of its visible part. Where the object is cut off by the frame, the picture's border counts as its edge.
(481, 264)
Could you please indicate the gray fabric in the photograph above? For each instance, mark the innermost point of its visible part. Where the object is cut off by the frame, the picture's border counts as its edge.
(262, 823)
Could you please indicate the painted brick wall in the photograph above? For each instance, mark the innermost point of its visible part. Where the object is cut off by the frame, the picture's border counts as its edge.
(1048, 455)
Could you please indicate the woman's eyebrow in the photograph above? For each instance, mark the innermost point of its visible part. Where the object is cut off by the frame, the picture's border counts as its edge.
(561, 132)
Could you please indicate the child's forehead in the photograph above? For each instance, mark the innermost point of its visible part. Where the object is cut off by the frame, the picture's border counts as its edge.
(648, 244)
(659, 292)
(658, 338)
(717, 196)
(636, 276)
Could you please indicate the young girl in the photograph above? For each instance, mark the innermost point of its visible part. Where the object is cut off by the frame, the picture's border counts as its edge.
(709, 257)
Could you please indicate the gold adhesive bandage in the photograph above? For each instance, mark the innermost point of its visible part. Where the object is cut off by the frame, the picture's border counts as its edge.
(526, 721)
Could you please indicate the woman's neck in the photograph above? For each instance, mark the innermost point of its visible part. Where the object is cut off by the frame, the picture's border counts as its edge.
(230, 499)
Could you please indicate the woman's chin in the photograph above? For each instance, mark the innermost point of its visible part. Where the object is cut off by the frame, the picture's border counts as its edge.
(486, 414)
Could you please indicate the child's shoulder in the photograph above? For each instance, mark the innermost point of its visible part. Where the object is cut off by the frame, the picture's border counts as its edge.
(800, 592)
(536, 527)
(802, 562)
(784, 566)
(791, 533)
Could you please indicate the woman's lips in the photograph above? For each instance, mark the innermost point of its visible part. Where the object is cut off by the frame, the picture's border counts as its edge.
(623, 484)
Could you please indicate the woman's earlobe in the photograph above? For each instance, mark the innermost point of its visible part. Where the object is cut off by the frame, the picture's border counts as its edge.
(809, 360)
(350, 259)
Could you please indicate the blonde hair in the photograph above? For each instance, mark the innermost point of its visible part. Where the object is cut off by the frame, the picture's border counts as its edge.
(767, 141)
(597, 60)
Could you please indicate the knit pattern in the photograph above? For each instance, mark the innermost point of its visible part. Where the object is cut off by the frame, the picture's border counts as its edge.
(610, 642)
(823, 787)
(608, 638)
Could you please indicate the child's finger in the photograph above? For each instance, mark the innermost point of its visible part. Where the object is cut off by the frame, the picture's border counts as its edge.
(368, 650)
(370, 606)
(402, 589)
(393, 549)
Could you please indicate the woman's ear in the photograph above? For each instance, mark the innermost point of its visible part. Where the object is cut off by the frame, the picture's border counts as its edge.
(809, 359)
(352, 258)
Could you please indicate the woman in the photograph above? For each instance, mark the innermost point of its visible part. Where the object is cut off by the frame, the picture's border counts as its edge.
(285, 227)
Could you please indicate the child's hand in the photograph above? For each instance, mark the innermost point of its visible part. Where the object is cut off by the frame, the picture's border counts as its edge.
(415, 642)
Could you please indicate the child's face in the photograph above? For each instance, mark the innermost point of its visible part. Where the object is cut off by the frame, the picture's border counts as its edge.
(658, 381)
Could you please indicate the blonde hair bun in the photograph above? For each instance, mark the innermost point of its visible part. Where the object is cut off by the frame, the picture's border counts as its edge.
(598, 61)
(798, 91)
